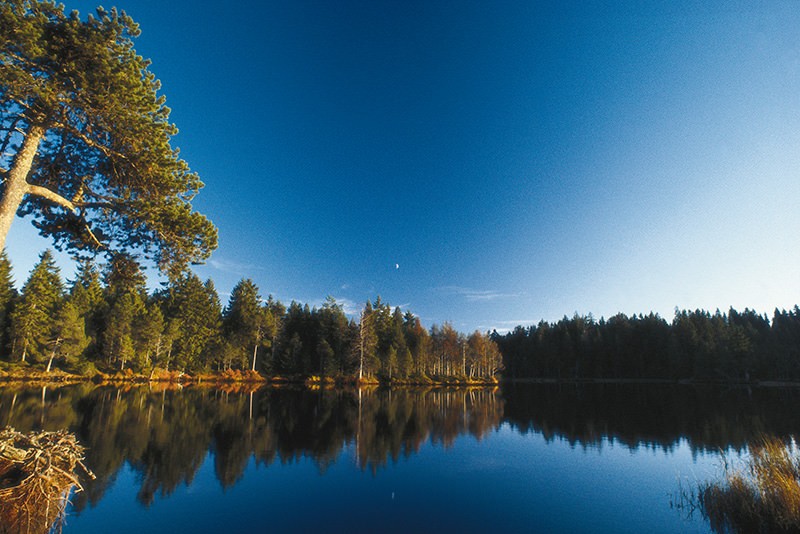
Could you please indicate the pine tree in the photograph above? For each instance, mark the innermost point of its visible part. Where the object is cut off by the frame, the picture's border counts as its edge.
(123, 274)
(87, 139)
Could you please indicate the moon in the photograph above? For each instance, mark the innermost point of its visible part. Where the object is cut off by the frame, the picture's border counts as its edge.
(396, 265)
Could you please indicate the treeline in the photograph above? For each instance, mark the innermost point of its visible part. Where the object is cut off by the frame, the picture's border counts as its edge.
(107, 320)
(698, 345)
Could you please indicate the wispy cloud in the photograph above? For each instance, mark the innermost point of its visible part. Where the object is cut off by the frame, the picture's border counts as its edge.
(349, 307)
(504, 327)
(234, 267)
(476, 295)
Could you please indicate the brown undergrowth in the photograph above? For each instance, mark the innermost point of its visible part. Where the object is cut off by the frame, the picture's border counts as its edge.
(37, 474)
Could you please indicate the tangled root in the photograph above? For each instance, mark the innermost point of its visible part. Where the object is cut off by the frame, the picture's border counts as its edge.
(37, 473)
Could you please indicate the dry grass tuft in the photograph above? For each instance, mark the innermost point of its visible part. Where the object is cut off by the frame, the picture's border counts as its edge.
(764, 497)
(37, 473)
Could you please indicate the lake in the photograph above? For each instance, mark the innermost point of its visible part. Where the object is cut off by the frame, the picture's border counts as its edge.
(524, 458)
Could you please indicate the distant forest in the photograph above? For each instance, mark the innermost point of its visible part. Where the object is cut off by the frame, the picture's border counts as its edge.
(696, 345)
(107, 321)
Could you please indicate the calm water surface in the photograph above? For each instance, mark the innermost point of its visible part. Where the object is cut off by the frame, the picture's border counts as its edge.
(532, 458)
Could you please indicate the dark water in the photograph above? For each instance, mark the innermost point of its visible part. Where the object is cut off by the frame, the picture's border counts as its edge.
(532, 458)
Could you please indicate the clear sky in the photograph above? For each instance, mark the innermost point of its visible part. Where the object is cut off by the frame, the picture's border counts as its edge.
(488, 163)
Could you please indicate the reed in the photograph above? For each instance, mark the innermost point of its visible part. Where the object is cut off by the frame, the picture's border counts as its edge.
(763, 496)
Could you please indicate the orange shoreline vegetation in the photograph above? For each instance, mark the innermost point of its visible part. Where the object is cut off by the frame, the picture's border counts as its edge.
(241, 379)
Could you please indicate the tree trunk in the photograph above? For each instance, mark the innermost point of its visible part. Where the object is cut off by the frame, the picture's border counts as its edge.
(53, 355)
(16, 182)
(361, 347)
(255, 353)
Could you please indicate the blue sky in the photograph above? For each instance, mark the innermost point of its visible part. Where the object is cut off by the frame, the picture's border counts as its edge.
(517, 160)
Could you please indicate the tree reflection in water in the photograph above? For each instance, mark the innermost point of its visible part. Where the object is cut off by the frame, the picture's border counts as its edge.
(166, 434)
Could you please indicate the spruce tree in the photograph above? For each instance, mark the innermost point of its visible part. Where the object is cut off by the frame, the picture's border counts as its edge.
(124, 298)
(8, 297)
(41, 296)
(86, 295)
(69, 340)
(244, 322)
(118, 335)
(149, 336)
(195, 307)
(86, 292)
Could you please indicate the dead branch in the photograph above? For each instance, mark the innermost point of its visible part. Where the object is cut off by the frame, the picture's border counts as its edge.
(37, 474)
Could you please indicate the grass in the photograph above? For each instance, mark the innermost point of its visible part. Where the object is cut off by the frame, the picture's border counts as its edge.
(761, 497)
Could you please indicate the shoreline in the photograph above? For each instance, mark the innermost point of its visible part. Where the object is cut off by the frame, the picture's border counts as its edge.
(253, 378)
(227, 378)
(652, 381)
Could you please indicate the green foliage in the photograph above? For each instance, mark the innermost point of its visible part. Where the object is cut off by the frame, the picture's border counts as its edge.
(124, 305)
(698, 345)
(118, 346)
(116, 324)
(195, 307)
(245, 323)
(8, 298)
(325, 355)
(365, 342)
(404, 363)
(41, 296)
(105, 175)
(123, 275)
(86, 293)
(148, 336)
(69, 334)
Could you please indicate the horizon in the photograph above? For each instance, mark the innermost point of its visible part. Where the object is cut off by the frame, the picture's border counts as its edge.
(487, 166)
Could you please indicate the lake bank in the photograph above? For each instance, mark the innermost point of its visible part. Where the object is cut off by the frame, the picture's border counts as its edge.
(37, 376)
(660, 381)
(28, 375)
